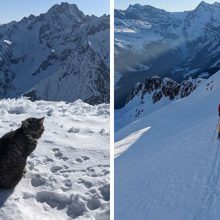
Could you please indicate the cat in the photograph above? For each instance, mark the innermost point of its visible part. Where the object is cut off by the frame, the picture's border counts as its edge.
(15, 147)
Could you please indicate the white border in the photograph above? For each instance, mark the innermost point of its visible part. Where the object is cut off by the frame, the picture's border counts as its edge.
(112, 109)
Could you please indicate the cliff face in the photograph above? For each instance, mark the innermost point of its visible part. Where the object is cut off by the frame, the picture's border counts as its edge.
(60, 55)
(167, 88)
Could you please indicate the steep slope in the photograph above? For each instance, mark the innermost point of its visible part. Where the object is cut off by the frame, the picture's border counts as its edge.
(150, 40)
(68, 174)
(60, 55)
(171, 167)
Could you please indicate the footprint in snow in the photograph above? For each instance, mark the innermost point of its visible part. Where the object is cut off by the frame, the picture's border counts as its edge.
(74, 130)
(31, 165)
(97, 171)
(58, 154)
(48, 160)
(86, 183)
(54, 200)
(90, 169)
(38, 181)
(105, 191)
(93, 203)
(104, 132)
(79, 160)
(54, 169)
(103, 165)
(67, 185)
(83, 158)
(49, 141)
(74, 205)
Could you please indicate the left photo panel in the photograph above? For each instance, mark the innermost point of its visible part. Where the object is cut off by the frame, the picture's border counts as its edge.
(54, 110)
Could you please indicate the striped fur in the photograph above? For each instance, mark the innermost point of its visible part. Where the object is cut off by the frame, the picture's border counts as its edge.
(15, 147)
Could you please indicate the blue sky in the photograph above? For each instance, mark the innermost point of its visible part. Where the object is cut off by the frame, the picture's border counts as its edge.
(169, 5)
(17, 9)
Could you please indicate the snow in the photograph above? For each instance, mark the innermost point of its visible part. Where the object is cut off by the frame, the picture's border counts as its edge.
(68, 174)
(191, 72)
(131, 26)
(127, 39)
(8, 42)
(117, 78)
(142, 67)
(124, 144)
(137, 67)
(171, 169)
(100, 44)
(206, 74)
(127, 115)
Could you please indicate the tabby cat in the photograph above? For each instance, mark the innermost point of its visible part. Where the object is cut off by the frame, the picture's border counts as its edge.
(15, 147)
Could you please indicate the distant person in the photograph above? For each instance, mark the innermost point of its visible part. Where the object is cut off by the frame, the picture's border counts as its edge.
(219, 110)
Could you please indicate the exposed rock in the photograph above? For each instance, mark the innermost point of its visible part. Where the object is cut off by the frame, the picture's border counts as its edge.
(166, 87)
(60, 55)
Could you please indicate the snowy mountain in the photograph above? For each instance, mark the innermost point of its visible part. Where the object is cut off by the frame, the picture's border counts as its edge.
(62, 55)
(174, 44)
(68, 174)
(168, 162)
(151, 95)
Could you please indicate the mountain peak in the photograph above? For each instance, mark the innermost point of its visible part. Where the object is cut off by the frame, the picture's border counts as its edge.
(135, 6)
(66, 8)
(207, 6)
(203, 4)
(141, 7)
(63, 6)
(138, 10)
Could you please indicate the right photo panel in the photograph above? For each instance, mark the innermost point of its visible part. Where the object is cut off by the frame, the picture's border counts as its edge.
(167, 95)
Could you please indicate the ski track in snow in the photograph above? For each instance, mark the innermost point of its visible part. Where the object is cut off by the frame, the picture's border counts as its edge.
(209, 200)
(68, 174)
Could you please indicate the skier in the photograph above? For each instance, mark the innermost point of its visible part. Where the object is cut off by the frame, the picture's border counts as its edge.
(219, 110)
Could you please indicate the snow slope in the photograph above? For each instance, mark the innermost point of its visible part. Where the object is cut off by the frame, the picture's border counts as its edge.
(68, 173)
(169, 163)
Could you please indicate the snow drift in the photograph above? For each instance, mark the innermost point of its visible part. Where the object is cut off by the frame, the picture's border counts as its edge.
(68, 173)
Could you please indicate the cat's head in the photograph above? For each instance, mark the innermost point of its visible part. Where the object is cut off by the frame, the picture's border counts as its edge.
(33, 127)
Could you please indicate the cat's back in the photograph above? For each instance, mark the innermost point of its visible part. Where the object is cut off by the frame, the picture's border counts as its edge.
(9, 136)
(8, 140)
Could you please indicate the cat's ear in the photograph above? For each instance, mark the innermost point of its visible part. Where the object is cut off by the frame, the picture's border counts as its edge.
(41, 120)
(25, 123)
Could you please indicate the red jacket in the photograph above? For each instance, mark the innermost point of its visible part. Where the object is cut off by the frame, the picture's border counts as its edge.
(219, 109)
